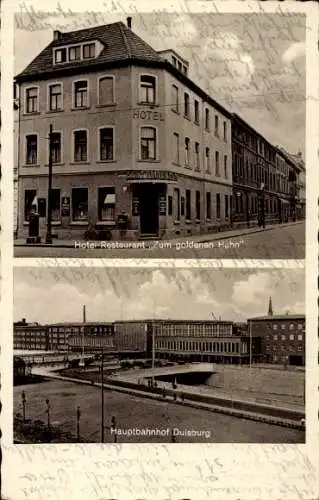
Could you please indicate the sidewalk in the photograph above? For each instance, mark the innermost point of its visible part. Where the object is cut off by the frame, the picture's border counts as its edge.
(204, 238)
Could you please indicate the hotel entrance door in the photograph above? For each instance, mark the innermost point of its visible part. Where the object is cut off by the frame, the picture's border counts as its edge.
(149, 209)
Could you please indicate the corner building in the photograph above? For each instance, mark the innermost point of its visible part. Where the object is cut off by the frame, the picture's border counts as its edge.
(137, 148)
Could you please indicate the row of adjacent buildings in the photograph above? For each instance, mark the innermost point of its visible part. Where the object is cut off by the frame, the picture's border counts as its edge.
(136, 140)
(276, 339)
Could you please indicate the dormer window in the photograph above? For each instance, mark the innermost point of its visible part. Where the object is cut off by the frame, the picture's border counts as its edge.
(75, 53)
(78, 52)
(89, 51)
(60, 56)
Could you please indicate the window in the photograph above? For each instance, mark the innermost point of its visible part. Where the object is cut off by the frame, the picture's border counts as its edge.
(225, 131)
(217, 172)
(81, 94)
(75, 53)
(182, 206)
(170, 205)
(207, 159)
(55, 205)
(275, 337)
(299, 326)
(60, 56)
(56, 147)
(89, 51)
(80, 145)
(291, 337)
(226, 206)
(216, 126)
(197, 202)
(106, 144)
(31, 149)
(218, 206)
(147, 89)
(106, 204)
(291, 326)
(197, 159)
(283, 326)
(187, 151)
(225, 167)
(177, 204)
(55, 97)
(275, 327)
(30, 202)
(148, 143)
(79, 204)
(300, 348)
(106, 90)
(208, 205)
(299, 337)
(196, 111)
(283, 337)
(186, 105)
(176, 148)
(32, 100)
(175, 99)
(207, 119)
(188, 204)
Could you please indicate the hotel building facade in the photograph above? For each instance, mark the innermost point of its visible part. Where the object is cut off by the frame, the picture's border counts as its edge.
(137, 148)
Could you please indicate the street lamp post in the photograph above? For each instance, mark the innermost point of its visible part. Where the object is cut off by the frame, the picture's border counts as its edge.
(48, 238)
(78, 415)
(250, 345)
(102, 398)
(48, 412)
(23, 405)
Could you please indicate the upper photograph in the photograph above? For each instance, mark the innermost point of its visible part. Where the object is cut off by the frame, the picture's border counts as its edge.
(160, 135)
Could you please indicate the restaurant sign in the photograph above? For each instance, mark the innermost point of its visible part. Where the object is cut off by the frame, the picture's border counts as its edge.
(152, 175)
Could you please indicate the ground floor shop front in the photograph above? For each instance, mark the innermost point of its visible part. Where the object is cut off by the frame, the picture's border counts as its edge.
(129, 205)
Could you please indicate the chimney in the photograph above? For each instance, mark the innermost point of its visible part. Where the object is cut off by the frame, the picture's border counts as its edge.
(57, 35)
(129, 22)
(24, 320)
(270, 310)
(299, 154)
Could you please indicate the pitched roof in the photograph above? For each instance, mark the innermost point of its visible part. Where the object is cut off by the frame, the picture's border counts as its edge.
(120, 44)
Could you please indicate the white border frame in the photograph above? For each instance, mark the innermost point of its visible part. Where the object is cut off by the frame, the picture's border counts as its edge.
(200, 471)
(73, 161)
(80, 108)
(51, 84)
(29, 87)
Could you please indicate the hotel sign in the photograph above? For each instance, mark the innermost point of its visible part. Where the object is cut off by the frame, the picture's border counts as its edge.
(152, 175)
(148, 115)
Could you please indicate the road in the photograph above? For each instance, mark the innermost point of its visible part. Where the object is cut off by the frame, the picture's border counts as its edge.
(141, 413)
(286, 242)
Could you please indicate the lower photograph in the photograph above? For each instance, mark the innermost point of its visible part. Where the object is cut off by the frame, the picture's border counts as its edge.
(163, 355)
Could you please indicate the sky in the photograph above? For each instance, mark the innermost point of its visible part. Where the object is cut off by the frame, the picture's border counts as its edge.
(253, 64)
(57, 294)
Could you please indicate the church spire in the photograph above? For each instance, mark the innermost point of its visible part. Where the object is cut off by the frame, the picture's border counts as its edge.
(270, 311)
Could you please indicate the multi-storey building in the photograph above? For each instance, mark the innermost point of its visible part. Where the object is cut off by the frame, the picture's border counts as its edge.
(263, 176)
(137, 147)
(61, 335)
(282, 339)
(296, 191)
(210, 341)
(30, 336)
(133, 338)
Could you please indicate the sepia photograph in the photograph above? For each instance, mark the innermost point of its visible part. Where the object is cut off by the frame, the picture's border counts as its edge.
(159, 355)
(161, 135)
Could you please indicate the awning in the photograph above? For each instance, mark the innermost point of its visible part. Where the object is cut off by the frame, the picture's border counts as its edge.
(109, 199)
(284, 201)
(35, 201)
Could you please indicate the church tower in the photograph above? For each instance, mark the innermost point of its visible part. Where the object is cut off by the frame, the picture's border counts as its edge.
(270, 311)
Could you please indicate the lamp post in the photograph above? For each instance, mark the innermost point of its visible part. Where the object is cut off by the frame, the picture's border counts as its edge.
(23, 405)
(102, 398)
(250, 344)
(48, 412)
(78, 415)
(48, 238)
